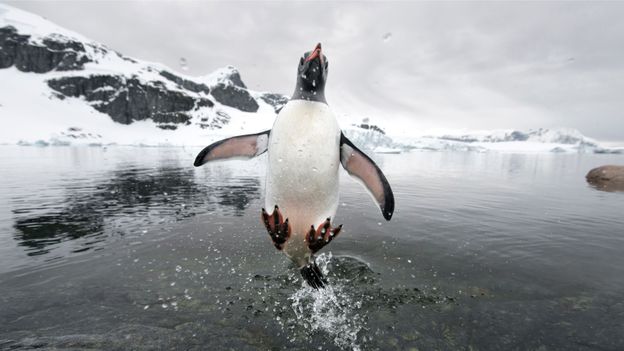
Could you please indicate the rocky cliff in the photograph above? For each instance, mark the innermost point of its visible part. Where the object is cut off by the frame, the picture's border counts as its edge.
(125, 89)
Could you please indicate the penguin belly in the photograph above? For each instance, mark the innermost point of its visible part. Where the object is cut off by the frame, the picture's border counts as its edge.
(302, 175)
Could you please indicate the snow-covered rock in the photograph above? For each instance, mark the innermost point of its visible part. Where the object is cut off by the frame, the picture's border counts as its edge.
(51, 76)
(59, 88)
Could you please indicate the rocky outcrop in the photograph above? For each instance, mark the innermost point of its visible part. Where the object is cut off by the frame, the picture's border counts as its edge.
(234, 96)
(129, 90)
(608, 178)
(185, 83)
(129, 99)
(235, 78)
(276, 100)
(53, 53)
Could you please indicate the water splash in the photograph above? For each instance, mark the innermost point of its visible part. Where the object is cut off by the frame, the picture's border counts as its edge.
(332, 311)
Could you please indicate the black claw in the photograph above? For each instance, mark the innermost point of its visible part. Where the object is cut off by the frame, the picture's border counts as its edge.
(279, 231)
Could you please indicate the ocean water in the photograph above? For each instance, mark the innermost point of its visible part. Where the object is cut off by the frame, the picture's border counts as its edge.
(132, 248)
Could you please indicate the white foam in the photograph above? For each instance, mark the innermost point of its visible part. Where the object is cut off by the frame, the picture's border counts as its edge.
(331, 310)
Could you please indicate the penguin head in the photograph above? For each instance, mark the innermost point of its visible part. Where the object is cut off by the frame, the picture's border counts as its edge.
(312, 75)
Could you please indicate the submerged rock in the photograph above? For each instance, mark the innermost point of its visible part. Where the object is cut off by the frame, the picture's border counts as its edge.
(607, 178)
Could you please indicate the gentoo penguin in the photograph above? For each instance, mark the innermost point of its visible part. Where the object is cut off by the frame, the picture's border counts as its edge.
(305, 148)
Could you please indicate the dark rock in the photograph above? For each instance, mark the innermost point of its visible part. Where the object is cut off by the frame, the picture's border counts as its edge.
(517, 136)
(234, 96)
(371, 127)
(167, 126)
(218, 121)
(56, 52)
(607, 178)
(204, 103)
(235, 78)
(185, 83)
(127, 100)
(276, 100)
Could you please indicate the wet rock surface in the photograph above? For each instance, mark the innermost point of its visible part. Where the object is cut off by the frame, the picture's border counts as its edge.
(607, 178)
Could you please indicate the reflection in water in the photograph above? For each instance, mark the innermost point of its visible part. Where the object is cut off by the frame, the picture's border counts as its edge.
(607, 186)
(127, 200)
(485, 252)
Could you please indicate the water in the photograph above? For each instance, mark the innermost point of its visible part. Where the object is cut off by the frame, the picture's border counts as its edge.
(133, 248)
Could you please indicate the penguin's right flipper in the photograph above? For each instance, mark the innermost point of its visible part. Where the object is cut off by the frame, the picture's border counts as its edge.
(364, 169)
(242, 146)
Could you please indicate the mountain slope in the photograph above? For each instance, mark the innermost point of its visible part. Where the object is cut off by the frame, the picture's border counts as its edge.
(56, 82)
(60, 88)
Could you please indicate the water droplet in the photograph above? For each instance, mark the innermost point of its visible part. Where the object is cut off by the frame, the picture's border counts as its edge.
(314, 169)
(184, 64)
(279, 160)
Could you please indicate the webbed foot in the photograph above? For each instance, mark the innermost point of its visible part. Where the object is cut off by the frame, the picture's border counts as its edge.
(321, 236)
(278, 228)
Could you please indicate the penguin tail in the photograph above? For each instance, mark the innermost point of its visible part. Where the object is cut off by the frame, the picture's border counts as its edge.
(313, 275)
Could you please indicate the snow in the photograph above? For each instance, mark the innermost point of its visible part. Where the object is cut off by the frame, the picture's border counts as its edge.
(31, 114)
(221, 75)
(33, 24)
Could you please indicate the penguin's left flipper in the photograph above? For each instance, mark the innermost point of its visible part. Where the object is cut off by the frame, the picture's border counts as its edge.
(360, 166)
(242, 146)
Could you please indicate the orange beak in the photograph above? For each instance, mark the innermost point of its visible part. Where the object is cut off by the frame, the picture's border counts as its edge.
(316, 53)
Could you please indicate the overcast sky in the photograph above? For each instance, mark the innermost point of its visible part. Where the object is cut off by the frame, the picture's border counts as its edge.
(414, 67)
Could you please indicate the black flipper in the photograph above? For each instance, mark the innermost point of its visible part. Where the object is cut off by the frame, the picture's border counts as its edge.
(313, 275)
(242, 146)
(365, 170)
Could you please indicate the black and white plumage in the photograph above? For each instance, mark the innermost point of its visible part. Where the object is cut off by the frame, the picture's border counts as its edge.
(305, 149)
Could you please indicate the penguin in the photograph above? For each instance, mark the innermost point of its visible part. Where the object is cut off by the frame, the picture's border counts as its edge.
(305, 150)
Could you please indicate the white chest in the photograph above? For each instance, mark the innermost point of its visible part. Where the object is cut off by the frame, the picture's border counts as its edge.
(304, 156)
